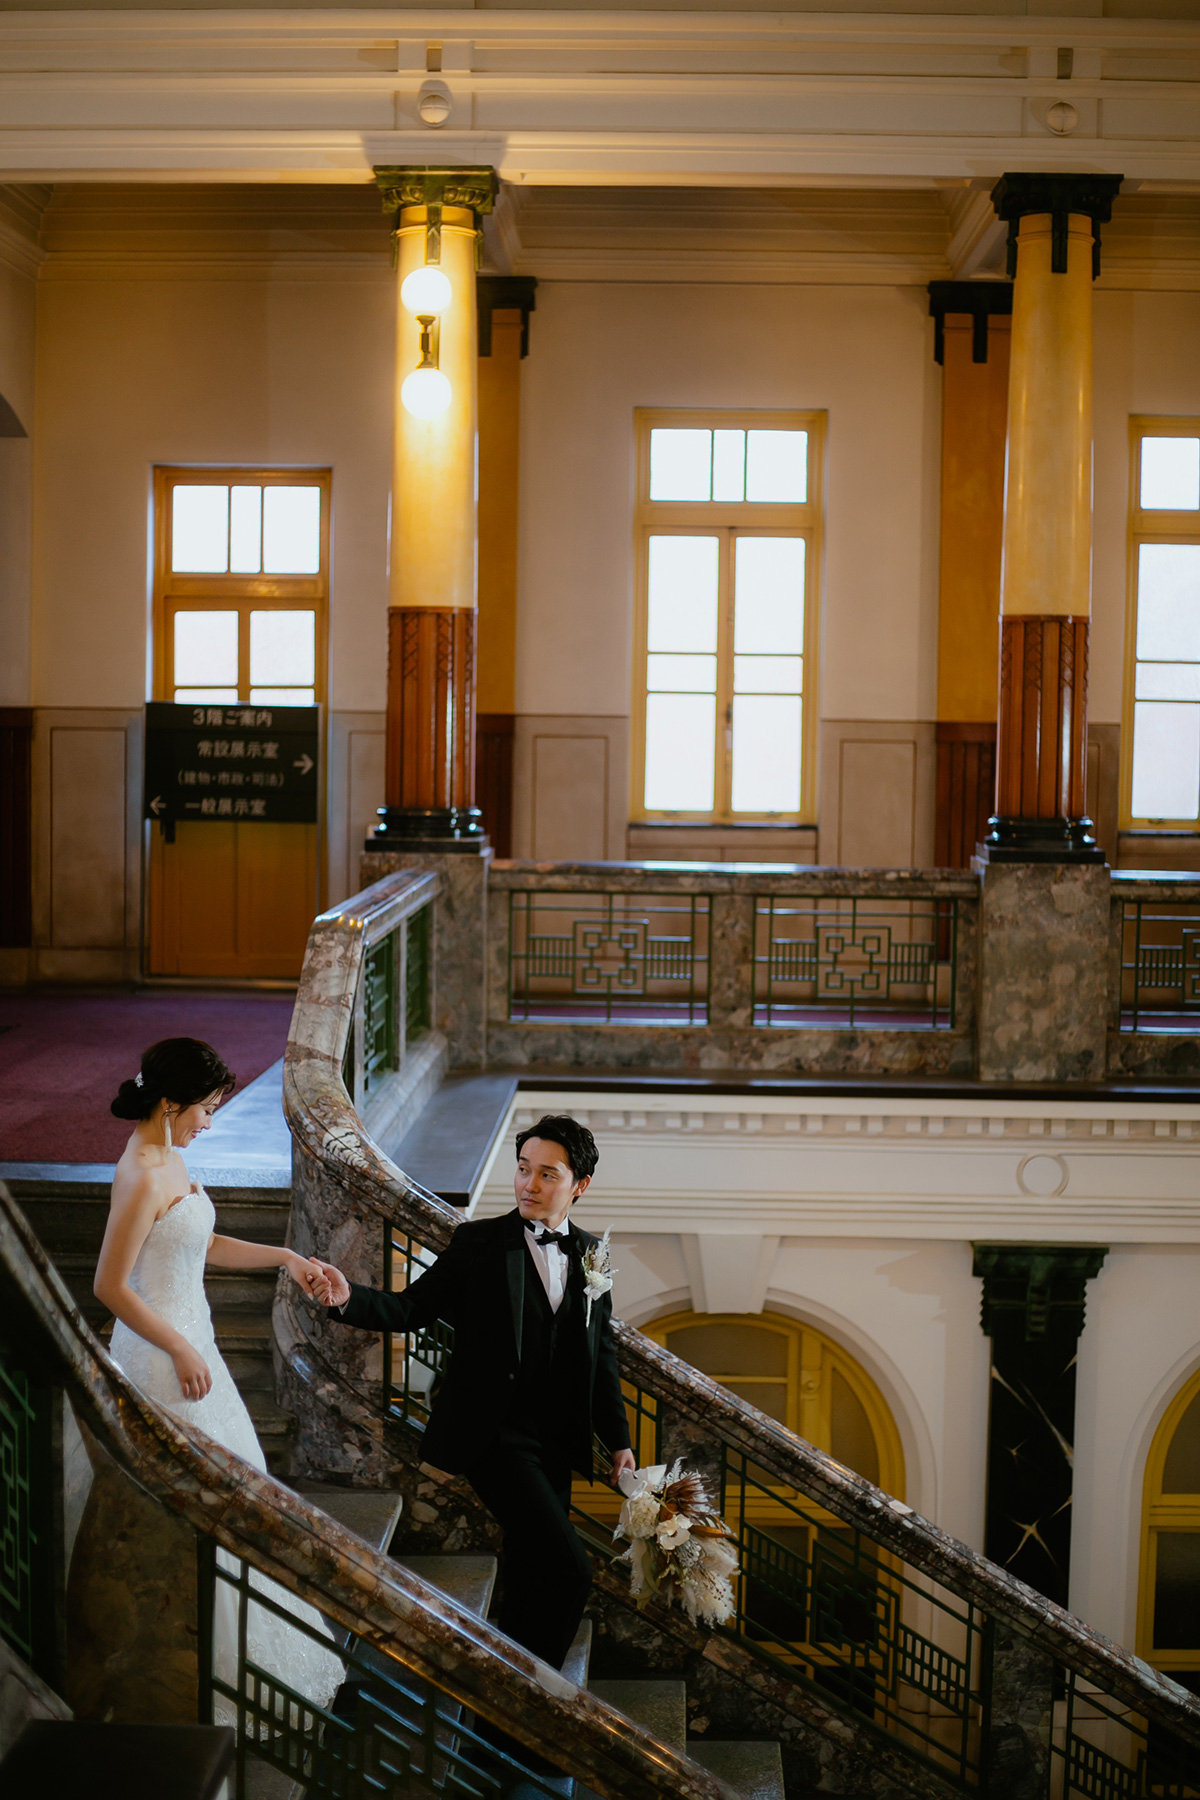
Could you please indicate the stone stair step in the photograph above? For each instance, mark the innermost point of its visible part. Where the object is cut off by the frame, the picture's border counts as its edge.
(370, 1513)
(752, 1768)
(659, 1707)
(467, 1580)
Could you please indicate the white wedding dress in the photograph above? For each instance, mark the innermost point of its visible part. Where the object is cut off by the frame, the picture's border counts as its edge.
(169, 1276)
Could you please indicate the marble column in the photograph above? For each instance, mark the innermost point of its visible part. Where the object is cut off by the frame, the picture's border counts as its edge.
(1033, 1311)
(433, 549)
(1045, 592)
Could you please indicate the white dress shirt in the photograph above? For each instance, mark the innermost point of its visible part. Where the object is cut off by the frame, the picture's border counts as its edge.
(551, 1264)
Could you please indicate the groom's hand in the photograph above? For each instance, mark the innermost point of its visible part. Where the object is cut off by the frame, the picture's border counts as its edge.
(336, 1291)
(622, 1460)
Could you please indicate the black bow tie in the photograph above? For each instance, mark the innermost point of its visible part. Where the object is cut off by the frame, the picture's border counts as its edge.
(560, 1240)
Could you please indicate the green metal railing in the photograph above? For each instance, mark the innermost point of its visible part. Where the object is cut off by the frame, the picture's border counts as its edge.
(823, 960)
(1107, 1752)
(28, 1510)
(396, 1000)
(639, 958)
(1160, 966)
(386, 1734)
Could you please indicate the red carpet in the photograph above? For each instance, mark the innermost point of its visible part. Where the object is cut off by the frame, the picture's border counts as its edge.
(63, 1057)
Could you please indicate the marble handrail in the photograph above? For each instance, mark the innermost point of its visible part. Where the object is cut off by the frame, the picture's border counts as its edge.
(320, 1116)
(734, 878)
(297, 1545)
(795, 1463)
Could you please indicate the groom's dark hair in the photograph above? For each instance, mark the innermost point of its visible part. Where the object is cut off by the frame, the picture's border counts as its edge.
(576, 1140)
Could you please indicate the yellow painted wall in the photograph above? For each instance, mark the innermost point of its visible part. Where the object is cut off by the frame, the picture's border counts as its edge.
(499, 470)
(974, 418)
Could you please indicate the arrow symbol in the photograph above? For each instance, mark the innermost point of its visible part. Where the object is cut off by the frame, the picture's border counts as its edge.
(157, 805)
(303, 763)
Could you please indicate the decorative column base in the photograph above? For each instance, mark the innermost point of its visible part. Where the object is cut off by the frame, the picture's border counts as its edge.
(430, 777)
(1041, 749)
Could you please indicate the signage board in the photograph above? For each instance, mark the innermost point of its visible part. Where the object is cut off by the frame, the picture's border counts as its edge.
(248, 764)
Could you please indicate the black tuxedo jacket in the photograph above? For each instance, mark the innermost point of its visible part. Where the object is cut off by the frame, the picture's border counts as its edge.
(477, 1285)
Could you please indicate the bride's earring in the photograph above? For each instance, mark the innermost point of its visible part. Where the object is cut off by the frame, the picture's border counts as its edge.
(167, 1128)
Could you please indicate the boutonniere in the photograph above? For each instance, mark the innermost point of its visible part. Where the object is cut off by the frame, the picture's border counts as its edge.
(598, 1272)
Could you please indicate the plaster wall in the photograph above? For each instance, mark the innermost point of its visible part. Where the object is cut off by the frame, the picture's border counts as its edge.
(1147, 360)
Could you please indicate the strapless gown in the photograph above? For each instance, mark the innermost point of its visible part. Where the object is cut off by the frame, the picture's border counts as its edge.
(169, 1276)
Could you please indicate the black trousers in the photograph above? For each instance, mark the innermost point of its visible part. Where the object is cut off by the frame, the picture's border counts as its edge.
(547, 1573)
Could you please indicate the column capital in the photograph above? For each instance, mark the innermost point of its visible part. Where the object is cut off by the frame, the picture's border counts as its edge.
(426, 184)
(1040, 1289)
(979, 299)
(1015, 196)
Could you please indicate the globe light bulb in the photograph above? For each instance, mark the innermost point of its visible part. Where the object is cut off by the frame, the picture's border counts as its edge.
(425, 393)
(426, 290)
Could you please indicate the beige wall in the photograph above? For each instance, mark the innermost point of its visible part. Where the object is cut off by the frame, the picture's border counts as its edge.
(259, 362)
(1147, 360)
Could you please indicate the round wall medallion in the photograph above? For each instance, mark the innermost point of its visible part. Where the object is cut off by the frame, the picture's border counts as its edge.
(434, 103)
(1042, 1177)
(1062, 118)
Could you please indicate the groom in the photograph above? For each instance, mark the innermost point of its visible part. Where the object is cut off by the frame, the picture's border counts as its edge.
(531, 1376)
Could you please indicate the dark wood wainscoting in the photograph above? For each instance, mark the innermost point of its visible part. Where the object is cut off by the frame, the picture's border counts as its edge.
(16, 826)
(966, 791)
(494, 776)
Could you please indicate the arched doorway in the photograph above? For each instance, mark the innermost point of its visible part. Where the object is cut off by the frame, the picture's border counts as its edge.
(1169, 1585)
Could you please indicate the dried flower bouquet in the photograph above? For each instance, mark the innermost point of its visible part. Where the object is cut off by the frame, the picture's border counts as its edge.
(679, 1546)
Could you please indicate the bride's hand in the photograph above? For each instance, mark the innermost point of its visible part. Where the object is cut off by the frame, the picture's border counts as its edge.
(192, 1371)
(309, 1274)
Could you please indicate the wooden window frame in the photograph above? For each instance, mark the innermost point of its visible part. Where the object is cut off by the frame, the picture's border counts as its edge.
(812, 1358)
(728, 520)
(1173, 1512)
(241, 593)
(1147, 527)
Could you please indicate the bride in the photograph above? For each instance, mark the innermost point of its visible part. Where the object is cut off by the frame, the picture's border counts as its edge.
(151, 1276)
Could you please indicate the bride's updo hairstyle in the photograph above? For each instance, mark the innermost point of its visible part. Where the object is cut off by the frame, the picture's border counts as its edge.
(182, 1070)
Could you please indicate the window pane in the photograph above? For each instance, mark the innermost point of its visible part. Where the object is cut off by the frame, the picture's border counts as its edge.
(767, 674)
(722, 1350)
(1168, 627)
(283, 696)
(777, 465)
(680, 465)
(1171, 473)
(1166, 760)
(769, 1396)
(206, 649)
(769, 617)
(766, 753)
(729, 465)
(1177, 1591)
(681, 674)
(680, 752)
(199, 530)
(1167, 681)
(291, 531)
(245, 530)
(206, 696)
(683, 594)
(283, 648)
(1181, 1471)
(851, 1439)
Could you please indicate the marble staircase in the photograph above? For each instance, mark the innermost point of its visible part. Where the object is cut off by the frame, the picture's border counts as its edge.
(752, 1769)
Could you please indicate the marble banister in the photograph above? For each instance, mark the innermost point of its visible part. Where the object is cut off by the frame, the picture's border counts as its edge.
(294, 1543)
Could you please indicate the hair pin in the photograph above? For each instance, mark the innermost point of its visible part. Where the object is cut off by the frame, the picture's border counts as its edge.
(137, 1080)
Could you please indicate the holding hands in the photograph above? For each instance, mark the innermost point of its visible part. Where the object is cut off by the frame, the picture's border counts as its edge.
(331, 1287)
(313, 1277)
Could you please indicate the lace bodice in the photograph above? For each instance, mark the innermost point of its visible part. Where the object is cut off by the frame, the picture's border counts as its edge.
(169, 1272)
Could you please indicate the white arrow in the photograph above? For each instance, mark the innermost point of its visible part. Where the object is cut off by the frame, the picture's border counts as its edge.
(156, 805)
(303, 763)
